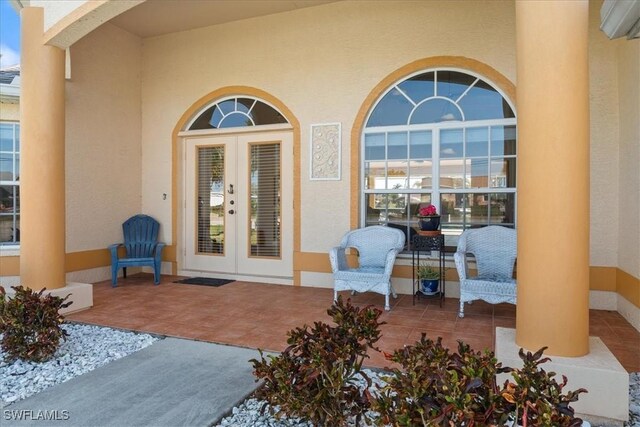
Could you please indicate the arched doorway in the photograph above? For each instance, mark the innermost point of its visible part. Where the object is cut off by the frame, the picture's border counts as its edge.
(238, 190)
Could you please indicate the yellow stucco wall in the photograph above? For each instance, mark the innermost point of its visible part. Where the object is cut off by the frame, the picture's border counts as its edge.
(103, 152)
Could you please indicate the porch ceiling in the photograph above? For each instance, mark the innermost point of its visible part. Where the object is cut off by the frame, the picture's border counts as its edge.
(158, 17)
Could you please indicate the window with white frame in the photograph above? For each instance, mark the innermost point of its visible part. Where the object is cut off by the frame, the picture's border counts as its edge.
(445, 137)
(9, 183)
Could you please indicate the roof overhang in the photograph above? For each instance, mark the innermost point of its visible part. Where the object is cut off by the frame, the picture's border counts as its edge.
(620, 18)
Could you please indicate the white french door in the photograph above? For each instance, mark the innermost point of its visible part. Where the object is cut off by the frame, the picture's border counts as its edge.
(239, 204)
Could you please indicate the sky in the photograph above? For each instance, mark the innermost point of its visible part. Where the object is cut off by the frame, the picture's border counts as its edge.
(9, 35)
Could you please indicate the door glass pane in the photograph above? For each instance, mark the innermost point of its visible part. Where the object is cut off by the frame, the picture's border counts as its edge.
(210, 200)
(264, 183)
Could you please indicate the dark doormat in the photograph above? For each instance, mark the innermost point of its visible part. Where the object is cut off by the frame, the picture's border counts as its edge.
(205, 281)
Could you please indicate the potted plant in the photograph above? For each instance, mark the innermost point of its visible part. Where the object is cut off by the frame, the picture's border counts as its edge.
(429, 218)
(429, 279)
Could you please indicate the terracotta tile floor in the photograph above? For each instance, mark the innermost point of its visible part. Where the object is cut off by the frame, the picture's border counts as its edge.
(258, 315)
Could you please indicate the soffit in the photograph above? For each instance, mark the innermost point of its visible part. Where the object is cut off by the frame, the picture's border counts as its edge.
(158, 17)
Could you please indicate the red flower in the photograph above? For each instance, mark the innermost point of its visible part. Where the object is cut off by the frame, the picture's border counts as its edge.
(429, 210)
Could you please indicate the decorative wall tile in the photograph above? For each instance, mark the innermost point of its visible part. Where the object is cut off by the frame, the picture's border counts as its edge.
(325, 147)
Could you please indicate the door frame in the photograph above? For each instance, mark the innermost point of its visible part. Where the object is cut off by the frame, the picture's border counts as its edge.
(264, 130)
(171, 253)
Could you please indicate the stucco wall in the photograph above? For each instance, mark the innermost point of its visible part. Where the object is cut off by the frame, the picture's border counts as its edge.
(321, 62)
(629, 169)
(103, 151)
(9, 111)
(603, 96)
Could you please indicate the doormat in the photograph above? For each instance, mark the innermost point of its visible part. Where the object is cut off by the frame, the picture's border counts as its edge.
(205, 281)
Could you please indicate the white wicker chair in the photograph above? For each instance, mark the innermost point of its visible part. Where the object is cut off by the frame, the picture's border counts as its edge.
(494, 248)
(377, 249)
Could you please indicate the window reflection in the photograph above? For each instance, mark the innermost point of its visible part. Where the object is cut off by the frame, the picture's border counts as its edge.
(237, 112)
(422, 141)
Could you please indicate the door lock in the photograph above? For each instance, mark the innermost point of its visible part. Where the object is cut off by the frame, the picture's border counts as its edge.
(231, 211)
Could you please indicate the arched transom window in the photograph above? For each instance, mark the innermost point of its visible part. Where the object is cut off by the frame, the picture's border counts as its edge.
(237, 112)
(445, 137)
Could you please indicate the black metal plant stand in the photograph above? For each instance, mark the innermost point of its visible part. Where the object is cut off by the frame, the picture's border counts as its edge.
(421, 243)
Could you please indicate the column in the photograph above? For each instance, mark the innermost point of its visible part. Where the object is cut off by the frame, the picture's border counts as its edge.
(42, 133)
(553, 176)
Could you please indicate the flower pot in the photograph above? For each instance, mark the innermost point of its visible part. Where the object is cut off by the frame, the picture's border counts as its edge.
(429, 286)
(429, 223)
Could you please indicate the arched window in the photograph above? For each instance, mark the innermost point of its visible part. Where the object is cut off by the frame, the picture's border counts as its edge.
(445, 137)
(237, 112)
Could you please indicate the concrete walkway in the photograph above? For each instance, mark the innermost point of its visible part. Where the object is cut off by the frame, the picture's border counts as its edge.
(173, 382)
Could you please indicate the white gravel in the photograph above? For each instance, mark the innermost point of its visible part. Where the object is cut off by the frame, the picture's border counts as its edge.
(86, 348)
(249, 414)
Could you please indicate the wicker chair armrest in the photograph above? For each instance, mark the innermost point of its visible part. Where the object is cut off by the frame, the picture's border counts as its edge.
(460, 259)
(390, 261)
(338, 259)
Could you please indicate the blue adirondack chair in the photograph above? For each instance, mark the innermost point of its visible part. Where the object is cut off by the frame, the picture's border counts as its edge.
(142, 247)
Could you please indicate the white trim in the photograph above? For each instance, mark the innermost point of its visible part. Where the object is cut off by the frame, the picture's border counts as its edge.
(441, 125)
(338, 177)
(244, 129)
(424, 101)
(629, 311)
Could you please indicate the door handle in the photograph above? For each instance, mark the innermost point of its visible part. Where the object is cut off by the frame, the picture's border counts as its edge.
(230, 191)
(231, 211)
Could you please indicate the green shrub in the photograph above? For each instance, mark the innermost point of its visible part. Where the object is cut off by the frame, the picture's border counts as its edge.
(316, 377)
(30, 324)
(435, 387)
(535, 398)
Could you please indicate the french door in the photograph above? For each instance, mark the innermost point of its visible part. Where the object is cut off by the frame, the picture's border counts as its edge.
(239, 204)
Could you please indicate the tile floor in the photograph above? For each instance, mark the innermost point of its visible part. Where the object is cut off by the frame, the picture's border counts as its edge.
(259, 315)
